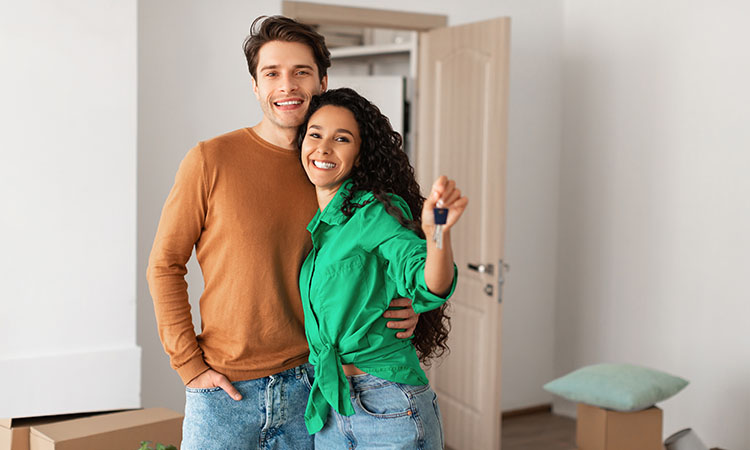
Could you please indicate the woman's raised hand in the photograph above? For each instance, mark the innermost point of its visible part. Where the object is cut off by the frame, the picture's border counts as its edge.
(444, 194)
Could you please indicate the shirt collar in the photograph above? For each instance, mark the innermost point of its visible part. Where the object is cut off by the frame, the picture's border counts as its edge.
(332, 214)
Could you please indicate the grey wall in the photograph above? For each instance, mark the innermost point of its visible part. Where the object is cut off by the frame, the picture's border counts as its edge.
(654, 209)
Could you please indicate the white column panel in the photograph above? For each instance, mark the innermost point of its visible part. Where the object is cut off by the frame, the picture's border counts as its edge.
(68, 177)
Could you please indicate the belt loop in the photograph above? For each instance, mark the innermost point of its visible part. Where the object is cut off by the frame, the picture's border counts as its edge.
(351, 387)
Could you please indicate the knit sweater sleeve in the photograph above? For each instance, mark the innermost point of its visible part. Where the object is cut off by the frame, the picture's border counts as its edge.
(182, 220)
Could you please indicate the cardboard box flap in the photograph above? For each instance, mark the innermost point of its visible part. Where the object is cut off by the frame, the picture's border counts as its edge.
(39, 420)
(74, 429)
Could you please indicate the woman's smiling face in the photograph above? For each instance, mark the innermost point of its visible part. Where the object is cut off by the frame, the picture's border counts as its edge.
(330, 148)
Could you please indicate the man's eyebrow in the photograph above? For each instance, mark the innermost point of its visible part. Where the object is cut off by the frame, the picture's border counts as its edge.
(276, 66)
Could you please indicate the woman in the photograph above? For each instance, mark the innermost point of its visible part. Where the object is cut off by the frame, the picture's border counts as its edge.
(368, 249)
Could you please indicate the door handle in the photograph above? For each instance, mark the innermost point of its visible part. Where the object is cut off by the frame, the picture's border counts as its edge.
(482, 268)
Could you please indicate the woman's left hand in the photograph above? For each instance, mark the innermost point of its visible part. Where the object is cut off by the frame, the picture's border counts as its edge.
(444, 194)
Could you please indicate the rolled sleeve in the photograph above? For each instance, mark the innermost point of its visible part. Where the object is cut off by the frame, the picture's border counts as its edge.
(406, 254)
(424, 300)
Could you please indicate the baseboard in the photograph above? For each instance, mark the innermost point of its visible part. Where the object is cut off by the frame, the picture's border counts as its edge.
(547, 407)
(74, 382)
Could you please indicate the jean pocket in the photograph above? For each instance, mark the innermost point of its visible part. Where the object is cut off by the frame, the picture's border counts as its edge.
(439, 418)
(190, 390)
(306, 378)
(387, 401)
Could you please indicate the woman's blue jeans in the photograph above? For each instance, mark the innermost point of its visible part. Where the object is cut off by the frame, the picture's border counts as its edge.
(387, 415)
(269, 416)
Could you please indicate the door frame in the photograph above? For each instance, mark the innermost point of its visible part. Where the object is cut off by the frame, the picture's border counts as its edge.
(322, 14)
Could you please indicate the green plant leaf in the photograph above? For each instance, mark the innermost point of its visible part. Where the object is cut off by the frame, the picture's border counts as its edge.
(165, 447)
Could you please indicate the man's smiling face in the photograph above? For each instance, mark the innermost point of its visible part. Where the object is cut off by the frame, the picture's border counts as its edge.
(287, 77)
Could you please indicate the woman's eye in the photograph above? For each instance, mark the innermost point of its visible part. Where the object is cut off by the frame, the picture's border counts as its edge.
(342, 139)
(314, 135)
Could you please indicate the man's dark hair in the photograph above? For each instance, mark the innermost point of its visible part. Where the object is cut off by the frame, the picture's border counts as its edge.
(279, 28)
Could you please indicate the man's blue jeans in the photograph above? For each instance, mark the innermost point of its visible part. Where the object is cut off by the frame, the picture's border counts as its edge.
(269, 416)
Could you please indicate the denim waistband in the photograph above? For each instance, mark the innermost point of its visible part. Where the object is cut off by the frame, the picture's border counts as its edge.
(366, 381)
(295, 372)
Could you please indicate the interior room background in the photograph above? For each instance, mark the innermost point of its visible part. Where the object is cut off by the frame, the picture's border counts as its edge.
(627, 191)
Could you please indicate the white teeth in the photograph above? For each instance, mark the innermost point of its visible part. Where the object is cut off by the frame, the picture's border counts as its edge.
(290, 102)
(324, 165)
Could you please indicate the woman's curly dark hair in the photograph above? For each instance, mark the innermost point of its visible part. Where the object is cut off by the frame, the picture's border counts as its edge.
(383, 169)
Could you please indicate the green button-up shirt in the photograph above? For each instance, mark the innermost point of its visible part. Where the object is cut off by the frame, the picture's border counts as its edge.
(359, 264)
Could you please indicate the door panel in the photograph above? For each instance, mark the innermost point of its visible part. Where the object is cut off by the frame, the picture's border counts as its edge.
(462, 132)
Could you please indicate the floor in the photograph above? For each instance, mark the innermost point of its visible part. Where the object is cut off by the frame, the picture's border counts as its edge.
(539, 431)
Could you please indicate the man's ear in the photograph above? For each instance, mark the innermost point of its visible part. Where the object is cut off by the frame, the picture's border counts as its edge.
(255, 87)
(324, 83)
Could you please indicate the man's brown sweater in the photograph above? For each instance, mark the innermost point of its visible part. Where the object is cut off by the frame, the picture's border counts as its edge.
(243, 203)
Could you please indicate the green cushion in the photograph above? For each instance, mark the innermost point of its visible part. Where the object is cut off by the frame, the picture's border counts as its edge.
(621, 387)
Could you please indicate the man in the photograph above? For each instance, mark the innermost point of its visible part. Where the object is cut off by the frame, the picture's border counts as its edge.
(243, 201)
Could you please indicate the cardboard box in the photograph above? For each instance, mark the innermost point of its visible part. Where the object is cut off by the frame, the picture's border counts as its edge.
(122, 430)
(14, 433)
(602, 429)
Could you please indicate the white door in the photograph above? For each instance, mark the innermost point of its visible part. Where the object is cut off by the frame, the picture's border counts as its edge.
(462, 132)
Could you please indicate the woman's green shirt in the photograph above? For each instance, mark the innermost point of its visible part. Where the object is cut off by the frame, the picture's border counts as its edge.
(359, 264)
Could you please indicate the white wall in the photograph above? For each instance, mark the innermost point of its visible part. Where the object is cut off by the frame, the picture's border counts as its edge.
(654, 209)
(193, 84)
(68, 112)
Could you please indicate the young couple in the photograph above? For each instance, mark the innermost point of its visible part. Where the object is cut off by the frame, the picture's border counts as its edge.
(306, 227)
